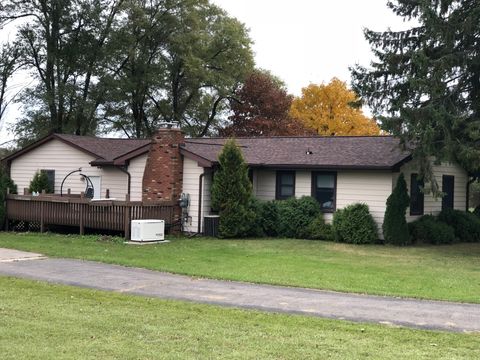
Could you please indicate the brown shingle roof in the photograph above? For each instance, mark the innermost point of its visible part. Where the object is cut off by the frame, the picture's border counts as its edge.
(347, 152)
(105, 150)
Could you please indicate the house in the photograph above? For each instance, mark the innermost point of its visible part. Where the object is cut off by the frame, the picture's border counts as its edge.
(337, 171)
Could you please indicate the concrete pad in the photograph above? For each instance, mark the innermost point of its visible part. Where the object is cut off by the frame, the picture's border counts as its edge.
(9, 255)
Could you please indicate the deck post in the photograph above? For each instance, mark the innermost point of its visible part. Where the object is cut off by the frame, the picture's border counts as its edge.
(42, 216)
(82, 210)
(127, 217)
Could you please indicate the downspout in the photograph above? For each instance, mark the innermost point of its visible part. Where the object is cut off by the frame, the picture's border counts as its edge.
(472, 180)
(200, 193)
(129, 177)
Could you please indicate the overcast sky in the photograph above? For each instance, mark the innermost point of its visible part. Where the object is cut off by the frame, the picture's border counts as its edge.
(302, 41)
(311, 41)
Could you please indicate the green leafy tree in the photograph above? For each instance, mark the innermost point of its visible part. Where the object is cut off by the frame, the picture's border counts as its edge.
(62, 44)
(185, 59)
(40, 182)
(5, 183)
(424, 85)
(395, 228)
(232, 193)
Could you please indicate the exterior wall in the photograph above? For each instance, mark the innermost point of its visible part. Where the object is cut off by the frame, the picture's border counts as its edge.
(136, 169)
(433, 205)
(369, 187)
(191, 176)
(265, 184)
(63, 158)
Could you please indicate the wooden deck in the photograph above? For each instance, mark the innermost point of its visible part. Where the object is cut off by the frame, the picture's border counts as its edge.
(84, 213)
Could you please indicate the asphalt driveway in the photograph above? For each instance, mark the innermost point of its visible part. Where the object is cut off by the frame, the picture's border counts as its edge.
(328, 304)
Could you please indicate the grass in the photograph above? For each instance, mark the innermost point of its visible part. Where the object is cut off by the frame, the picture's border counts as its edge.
(42, 321)
(431, 272)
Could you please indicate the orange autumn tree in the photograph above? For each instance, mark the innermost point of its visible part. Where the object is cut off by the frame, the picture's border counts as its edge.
(332, 109)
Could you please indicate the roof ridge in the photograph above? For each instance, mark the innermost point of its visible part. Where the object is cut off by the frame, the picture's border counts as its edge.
(98, 137)
(292, 137)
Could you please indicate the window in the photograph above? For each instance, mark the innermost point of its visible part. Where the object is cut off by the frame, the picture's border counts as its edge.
(324, 185)
(448, 183)
(285, 185)
(416, 195)
(51, 179)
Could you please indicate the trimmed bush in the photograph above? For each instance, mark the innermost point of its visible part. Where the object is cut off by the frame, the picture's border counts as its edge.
(355, 225)
(296, 215)
(232, 193)
(429, 230)
(319, 230)
(40, 183)
(466, 225)
(268, 217)
(256, 225)
(395, 228)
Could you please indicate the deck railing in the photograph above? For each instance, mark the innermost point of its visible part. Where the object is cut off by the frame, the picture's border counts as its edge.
(84, 213)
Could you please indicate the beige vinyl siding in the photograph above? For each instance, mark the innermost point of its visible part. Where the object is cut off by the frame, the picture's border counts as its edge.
(136, 168)
(265, 184)
(433, 205)
(63, 158)
(368, 187)
(303, 183)
(191, 176)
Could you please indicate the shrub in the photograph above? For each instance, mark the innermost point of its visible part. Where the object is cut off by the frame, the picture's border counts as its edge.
(429, 230)
(5, 183)
(40, 182)
(319, 230)
(256, 224)
(466, 225)
(268, 218)
(395, 228)
(232, 193)
(295, 216)
(354, 224)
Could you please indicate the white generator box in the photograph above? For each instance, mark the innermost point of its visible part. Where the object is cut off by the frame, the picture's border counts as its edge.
(148, 230)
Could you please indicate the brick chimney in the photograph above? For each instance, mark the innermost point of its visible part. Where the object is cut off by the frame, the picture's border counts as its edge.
(163, 175)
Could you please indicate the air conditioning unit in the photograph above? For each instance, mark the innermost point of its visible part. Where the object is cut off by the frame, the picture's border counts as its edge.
(148, 230)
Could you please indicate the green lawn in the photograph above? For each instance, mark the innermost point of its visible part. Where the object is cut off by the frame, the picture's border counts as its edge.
(42, 321)
(433, 272)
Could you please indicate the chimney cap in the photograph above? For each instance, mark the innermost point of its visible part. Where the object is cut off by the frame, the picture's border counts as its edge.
(168, 125)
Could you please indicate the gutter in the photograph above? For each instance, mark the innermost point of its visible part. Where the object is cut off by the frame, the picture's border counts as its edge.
(129, 177)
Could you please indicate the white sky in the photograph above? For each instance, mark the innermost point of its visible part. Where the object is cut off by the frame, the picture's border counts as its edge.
(302, 41)
(311, 41)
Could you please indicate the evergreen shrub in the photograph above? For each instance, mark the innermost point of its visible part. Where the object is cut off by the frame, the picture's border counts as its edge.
(466, 225)
(319, 230)
(395, 228)
(40, 182)
(268, 218)
(355, 225)
(296, 215)
(232, 193)
(5, 183)
(429, 230)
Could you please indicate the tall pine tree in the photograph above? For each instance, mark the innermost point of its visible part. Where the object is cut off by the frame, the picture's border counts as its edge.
(425, 84)
(232, 192)
(395, 228)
